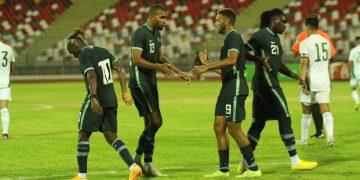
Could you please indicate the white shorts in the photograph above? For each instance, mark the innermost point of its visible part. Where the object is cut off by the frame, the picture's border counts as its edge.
(5, 94)
(354, 82)
(321, 97)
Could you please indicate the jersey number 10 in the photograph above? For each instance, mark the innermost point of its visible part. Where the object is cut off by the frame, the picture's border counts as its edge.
(324, 52)
(106, 69)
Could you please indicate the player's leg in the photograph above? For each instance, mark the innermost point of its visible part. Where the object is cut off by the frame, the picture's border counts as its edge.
(222, 140)
(286, 132)
(146, 143)
(5, 97)
(5, 118)
(323, 98)
(245, 148)
(259, 121)
(305, 123)
(88, 122)
(109, 128)
(234, 127)
(318, 121)
(222, 108)
(353, 84)
(83, 150)
(139, 150)
(328, 122)
(305, 118)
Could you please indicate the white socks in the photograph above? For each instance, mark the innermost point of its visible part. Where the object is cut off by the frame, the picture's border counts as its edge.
(355, 96)
(329, 124)
(133, 166)
(5, 120)
(295, 160)
(82, 175)
(305, 126)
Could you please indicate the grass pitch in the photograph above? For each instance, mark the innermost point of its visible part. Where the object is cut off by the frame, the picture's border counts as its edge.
(43, 135)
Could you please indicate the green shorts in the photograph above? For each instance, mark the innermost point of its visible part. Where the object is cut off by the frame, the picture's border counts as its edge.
(90, 122)
(233, 108)
(269, 104)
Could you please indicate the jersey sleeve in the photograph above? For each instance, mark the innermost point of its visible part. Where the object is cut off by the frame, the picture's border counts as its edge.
(303, 50)
(254, 42)
(296, 46)
(352, 55)
(85, 62)
(137, 40)
(234, 43)
(12, 55)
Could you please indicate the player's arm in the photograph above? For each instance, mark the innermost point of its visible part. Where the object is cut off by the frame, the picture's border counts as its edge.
(139, 61)
(92, 80)
(262, 60)
(351, 64)
(122, 78)
(229, 61)
(203, 56)
(255, 43)
(88, 69)
(287, 72)
(182, 74)
(12, 61)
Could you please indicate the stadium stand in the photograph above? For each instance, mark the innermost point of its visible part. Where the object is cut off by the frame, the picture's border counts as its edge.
(21, 20)
(340, 18)
(189, 25)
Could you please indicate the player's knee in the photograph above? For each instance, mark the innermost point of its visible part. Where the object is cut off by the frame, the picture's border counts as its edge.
(110, 136)
(219, 128)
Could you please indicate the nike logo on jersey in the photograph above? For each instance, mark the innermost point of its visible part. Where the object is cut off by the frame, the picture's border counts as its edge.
(272, 42)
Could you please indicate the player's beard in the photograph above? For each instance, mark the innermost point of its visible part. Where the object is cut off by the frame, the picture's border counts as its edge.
(221, 30)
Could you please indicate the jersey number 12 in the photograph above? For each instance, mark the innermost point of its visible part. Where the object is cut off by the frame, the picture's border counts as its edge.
(106, 69)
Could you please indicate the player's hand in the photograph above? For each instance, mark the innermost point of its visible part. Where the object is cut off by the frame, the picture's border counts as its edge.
(95, 106)
(128, 100)
(166, 70)
(185, 77)
(303, 86)
(203, 56)
(198, 70)
(266, 64)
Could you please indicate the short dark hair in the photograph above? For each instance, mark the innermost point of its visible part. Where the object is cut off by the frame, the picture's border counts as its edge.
(265, 18)
(154, 9)
(228, 13)
(357, 38)
(312, 21)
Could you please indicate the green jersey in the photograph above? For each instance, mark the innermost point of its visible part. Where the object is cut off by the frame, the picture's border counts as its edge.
(233, 77)
(148, 40)
(100, 60)
(266, 43)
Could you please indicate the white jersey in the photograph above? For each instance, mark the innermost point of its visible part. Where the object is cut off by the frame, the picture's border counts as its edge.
(317, 50)
(6, 57)
(355, 58)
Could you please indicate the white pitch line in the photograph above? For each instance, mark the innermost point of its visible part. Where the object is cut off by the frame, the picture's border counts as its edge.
(164, 168)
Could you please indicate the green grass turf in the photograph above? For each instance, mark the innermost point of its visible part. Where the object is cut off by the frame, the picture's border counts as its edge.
(43, 139)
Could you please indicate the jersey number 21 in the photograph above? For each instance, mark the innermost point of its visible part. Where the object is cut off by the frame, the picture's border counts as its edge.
(106, 69)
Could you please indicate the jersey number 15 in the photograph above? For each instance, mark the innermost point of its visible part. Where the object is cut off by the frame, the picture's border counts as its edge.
(106, 69)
